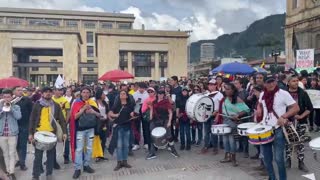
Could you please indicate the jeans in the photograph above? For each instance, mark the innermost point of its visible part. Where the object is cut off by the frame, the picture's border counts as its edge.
(137, 124)
(229, 143)
(123, 143)
(37, 163)
(22, 145)
(279, 148)
(199, 126)
(209, 138)
(8, 144)
(243, 144)
(67, 145)
(103, 134)
(82, 137)
(185, 132)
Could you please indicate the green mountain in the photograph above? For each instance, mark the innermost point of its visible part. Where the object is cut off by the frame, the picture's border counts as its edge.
(267, 34)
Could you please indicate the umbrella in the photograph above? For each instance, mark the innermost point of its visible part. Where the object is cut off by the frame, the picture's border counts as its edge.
(116, 75)
(234, 68)
(261, 70)
(11, 82)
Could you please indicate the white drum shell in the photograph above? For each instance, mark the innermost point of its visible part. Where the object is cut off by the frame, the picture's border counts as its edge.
(199, 107)
(44, 140)
(253, 129)
(221, 129)
(242, 128)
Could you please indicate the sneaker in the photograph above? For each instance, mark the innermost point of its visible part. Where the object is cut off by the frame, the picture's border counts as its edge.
(88, 169)
(174, 153)
(193, 142)
(135, 147)
(198, 143)
(56, 166)
(146, 146)
(151, 156)
(76, 174)
(23, 167)
(17, 164)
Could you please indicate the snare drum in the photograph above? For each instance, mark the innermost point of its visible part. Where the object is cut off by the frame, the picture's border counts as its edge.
(315, 144)
(45, 140)
(220, 129)
(159, 137)
(199, 107)
(260, 134)
(242, 128)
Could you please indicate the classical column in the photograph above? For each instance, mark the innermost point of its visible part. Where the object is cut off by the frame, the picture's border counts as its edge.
(6, 57)
(156, 66)
(130, 59)
(70, 58)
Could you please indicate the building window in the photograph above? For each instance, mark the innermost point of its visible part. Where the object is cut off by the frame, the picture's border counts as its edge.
(318, 41)
(89, 24)
(71, 23)
(124, 25)
(295, 4)
(53, 68)
(90, 51)
(16, 21)
(35, 68)
(43, 22)
(90, 68)
(89, 37)
(142, 61)
(106, 25)
(1, 20)
(123, 59)
(163, 59)
(88, 79)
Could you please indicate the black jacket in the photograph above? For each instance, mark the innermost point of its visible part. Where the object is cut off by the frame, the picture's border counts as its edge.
(26, 107)
(304, 103)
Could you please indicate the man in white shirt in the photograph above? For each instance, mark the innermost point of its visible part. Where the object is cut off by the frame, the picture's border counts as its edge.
(273, 103)
(140, 96)
(209, 138)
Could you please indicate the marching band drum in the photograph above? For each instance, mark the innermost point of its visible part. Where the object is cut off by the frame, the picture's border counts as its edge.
(44, 140)
(159, 138)
(260, 134)
(199, 107)
(220, 129)
(242, 128)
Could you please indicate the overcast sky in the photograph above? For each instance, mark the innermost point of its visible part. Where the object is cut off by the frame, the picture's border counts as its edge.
(206, 18)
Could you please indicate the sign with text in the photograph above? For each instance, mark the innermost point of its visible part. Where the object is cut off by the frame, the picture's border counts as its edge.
(314, 97)
(305, 58)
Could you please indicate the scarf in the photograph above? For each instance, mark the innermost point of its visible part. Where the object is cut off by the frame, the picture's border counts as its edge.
(268, 97)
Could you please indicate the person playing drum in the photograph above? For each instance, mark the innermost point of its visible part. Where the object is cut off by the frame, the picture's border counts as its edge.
(161, 116)
(41, 119)
(273, 105)
(233, 108)
(305, 105)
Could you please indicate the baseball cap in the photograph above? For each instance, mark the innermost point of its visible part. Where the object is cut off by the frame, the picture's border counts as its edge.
(151, 89)
(212, 81)
(270, 78)
(45, 89)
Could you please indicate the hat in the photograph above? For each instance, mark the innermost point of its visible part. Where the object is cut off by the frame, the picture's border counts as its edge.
(151, 88)
(24, 89)
(270, 78)
(289, 78)
(185, 89)
(45, 89)
(161, 92)
(212, 81)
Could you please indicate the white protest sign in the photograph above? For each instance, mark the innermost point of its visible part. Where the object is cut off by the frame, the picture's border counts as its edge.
(314, 97)
(305, 58)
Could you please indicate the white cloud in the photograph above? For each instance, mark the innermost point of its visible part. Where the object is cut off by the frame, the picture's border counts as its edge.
(202, 27)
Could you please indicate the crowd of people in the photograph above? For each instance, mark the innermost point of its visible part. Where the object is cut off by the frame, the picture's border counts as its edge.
(121, 118)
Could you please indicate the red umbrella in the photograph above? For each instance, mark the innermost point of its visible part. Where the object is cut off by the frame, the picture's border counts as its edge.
(116, 75)
(11, 82)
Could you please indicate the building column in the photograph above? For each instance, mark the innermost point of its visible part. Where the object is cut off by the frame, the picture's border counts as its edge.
(156, 67)
(6, 57)
(130, 68)
(70, 58)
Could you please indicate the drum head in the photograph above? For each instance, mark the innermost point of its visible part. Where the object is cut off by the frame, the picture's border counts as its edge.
(246, 125)
(315, 144)
(45, 137)
(259, 128)
(158, 132)
(203, 109)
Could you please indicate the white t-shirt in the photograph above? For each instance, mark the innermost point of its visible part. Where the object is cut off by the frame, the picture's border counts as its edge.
(143, 96)
(281, 101)
(216, 99)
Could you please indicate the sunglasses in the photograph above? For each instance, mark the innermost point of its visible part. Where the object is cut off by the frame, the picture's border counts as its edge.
(150, 92)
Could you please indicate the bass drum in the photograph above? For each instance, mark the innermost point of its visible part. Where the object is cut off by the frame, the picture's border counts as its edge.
(199, 107)
(44, 140)
(159, 137)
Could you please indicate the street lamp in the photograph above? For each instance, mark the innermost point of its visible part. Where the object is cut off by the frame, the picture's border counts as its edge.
(275, 54)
